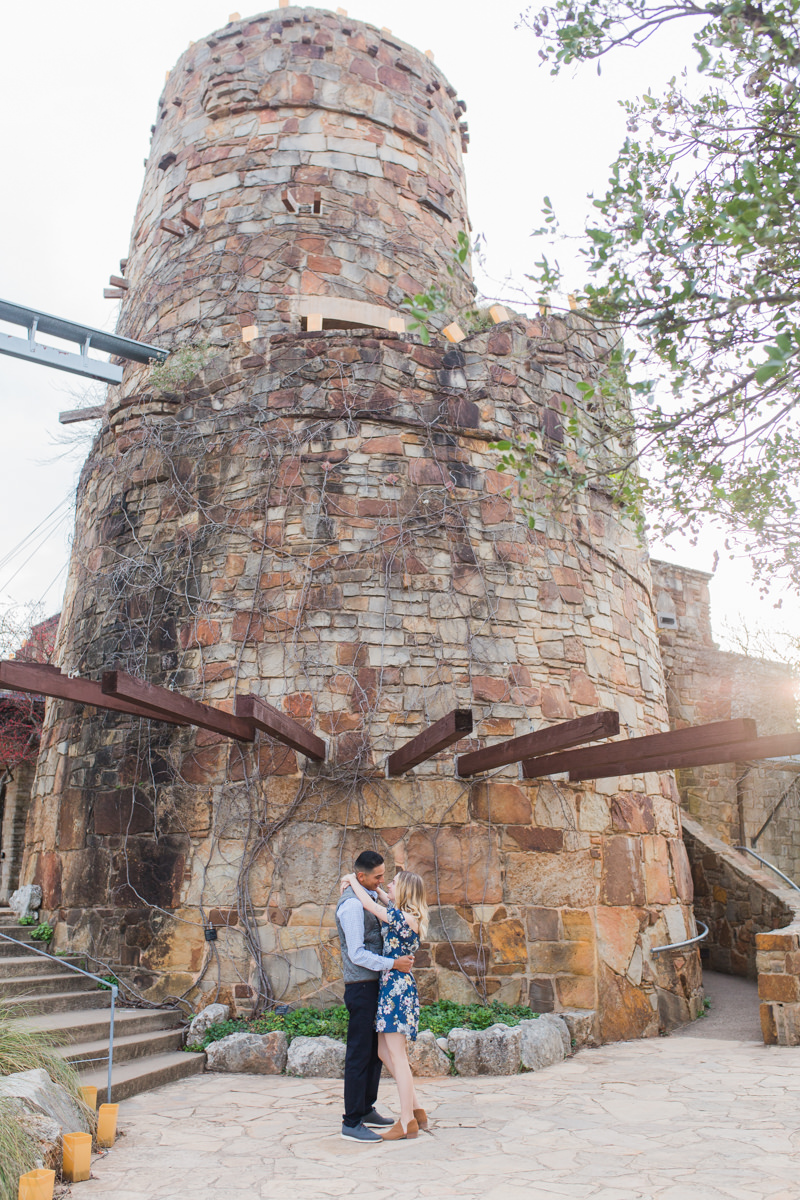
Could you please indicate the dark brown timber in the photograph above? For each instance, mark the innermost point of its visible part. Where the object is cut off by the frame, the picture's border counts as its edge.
(767, 747)
(171, 704)
(284, 729)
(44, 680)
(674, 741)
(452, 728)
(555, 737)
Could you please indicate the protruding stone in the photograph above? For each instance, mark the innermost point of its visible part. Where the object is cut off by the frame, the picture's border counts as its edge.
(212, 1014)
(26, 900)
(492, 1051)
(321, 1057)
(542, 1042)
(426, 1055)
(249, 1053)
(581, 1024)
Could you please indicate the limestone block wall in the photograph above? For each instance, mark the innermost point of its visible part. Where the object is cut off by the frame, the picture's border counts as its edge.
(735, 898)
(778, 958)
(15, 793)
(733, 801)
(297, 156)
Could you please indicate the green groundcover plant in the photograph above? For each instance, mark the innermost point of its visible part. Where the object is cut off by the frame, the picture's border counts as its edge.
(439, 1018)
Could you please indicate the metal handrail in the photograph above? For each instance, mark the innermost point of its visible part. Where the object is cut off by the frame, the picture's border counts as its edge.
(767, 863)
(680, 945)
(98, 979)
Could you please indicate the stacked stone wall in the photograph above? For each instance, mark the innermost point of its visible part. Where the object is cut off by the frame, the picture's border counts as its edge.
(737, 801)
(319, 519)
(14, 802)
(296, 156)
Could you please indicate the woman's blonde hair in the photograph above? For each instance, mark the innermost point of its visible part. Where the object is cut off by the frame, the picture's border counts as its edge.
(409, 897)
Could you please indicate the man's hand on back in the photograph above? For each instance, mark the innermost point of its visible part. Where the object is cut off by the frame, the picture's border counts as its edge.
(405, 963)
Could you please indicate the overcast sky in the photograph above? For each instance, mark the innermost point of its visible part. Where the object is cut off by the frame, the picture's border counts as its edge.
(84, 80)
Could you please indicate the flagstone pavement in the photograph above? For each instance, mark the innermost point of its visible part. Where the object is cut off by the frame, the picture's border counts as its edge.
(706, 1114)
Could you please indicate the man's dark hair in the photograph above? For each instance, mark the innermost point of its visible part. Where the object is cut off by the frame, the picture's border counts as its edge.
(368, 860)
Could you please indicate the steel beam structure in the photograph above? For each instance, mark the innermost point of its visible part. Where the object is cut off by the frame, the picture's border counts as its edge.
(78, 363)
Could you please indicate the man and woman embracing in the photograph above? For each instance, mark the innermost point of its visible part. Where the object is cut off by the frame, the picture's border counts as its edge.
(379, 933)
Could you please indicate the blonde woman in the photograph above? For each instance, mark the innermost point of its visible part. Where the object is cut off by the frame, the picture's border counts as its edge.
(404, 915)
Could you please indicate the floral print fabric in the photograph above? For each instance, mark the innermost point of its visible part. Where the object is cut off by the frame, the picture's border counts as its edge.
(398, 1002)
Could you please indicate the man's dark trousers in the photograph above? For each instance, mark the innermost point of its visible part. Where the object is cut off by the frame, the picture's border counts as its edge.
(362, 1067)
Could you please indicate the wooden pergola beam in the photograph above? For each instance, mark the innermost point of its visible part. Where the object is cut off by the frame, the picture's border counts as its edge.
(759, 748)
(170, 704)
(284, 729)
(443, 733)
(674, 741)
(44, 680)
(596, 725)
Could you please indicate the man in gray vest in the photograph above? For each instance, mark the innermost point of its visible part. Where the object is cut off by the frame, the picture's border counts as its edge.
(361, 941)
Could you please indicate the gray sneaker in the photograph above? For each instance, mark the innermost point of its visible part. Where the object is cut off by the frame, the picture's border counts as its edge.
(373, 1117)
(360, 1133)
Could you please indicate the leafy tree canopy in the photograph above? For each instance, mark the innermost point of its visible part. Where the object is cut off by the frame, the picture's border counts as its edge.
(694, 252)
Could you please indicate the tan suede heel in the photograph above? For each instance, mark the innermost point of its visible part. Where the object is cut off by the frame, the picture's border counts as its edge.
(421, 1117)
(397, 1133)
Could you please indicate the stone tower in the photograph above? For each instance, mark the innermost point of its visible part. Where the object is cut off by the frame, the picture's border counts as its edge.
(315, 516)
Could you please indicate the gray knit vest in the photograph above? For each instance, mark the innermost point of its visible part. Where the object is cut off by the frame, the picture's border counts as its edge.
(373, 940)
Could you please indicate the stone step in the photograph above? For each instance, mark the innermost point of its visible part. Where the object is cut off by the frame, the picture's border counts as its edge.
(38, 986)
(140, 1075)
(31, 964)
(126, 1048)
(22, 933)
(93, 1025)
(56, 1002)
(10, 949)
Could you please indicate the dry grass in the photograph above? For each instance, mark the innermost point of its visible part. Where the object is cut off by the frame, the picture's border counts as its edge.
(24, 1049)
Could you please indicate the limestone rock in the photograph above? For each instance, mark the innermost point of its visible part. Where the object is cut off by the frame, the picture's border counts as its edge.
(249, 1053)
(442, 1043)
(557, 1021)
(541, 1043)
(581, 1023)
(492, 1051)
(426, 1055)
(27, 900)
(212, 1014)
(35, 1092)
(319, 1056)
(47, 1134)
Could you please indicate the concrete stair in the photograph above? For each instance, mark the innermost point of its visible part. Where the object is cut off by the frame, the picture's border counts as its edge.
(44, 994)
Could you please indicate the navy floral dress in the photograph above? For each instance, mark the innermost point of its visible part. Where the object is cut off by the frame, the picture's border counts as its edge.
(398, 1002)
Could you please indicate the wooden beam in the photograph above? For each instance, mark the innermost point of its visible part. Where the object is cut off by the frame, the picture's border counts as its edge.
(443, 733)
(759, 748)
(284, 729)
(172, 704)
(719, 733)
(71, 415)
(596, 725)
(44, 680)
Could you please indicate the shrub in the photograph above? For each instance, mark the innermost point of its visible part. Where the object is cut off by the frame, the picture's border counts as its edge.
(29, 920)
(43, 933)
(439, 1018)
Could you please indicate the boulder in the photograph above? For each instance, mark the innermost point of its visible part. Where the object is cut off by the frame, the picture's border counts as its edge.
(249, 1053)
(320, 1056)
(212, 1014)
(581, 1024)
(558, 1022)
(26, 901)
(426, 1056)
(541, 1044)
(35, 1092)
(492, 1051)
(47, 1134)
